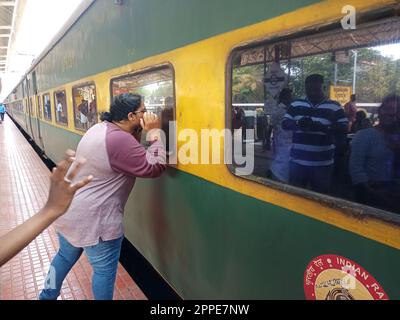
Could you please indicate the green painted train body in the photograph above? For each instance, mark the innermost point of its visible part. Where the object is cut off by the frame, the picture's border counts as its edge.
(206, 240)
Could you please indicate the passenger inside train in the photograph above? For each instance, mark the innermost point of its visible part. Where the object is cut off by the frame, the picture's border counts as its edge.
(374, 159)
(361, 122)
(315, 122)
(342, 131)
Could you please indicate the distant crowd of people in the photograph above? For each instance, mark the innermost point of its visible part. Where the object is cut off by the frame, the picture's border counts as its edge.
(320, 145)
(87, 113)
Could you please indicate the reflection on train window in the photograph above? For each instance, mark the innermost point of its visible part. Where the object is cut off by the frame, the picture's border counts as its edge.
(47, 106)
(60, 107)
(326, 136)
(17, 107)
(157, 89)
(39, 107)
(85, 106)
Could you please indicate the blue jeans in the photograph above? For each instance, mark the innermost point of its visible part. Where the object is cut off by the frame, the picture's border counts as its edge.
(103, 258)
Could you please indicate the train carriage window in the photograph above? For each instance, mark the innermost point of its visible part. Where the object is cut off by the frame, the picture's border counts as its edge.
(60, 107)
(157, 88)
(85, 106)
(47, 106)
(318, 136)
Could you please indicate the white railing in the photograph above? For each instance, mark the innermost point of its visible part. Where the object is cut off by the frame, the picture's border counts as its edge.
(359, 104)
(248, 104)
(368, 104)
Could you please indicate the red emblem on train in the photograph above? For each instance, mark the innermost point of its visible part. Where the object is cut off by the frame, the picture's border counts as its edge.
(332, 277)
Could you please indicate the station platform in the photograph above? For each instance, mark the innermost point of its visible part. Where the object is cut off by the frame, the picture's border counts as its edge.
(24, 183)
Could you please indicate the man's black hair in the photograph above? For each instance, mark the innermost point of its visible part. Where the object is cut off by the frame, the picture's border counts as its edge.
(315, 78)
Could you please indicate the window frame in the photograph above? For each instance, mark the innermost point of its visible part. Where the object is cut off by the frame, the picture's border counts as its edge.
(80, 85)
(145, 70)
(55, 107)
(348, 207)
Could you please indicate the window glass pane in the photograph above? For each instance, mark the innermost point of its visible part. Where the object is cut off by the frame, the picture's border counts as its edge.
(85, 106)
(61, 109)
(47, 106)
(319, 136)
(157, 89)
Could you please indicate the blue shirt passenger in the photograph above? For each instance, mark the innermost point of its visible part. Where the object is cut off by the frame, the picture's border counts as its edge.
(315, 146)
(316, 122)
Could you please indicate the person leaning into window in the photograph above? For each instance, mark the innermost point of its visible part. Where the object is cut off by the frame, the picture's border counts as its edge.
(60, 197)
(93, 223)
(374, 160)
(315, 121)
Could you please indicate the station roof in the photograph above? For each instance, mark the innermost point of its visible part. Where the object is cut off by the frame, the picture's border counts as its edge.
(7, 17)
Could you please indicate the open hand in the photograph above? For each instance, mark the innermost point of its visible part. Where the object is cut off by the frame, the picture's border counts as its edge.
(62, 190)
(150, 121)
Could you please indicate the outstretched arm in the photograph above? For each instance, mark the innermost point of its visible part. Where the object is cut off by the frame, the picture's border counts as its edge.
(60, 196)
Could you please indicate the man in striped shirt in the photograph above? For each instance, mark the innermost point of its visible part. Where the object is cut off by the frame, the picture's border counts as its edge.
(315, 121)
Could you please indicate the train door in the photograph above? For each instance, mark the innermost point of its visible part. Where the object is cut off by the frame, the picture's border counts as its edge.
(26, 114)
(24, 108)
(39, 112)
(29, 110)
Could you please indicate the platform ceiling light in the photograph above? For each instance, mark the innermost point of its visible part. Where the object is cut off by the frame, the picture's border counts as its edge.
(118, 2)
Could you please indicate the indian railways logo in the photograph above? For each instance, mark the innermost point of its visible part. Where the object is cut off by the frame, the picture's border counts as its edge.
(332, 277)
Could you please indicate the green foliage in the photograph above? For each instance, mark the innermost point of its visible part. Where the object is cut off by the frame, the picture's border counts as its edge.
(247, 85)
(376, 76)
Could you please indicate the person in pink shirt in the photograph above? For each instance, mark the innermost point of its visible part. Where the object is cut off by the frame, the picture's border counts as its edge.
(94, 222)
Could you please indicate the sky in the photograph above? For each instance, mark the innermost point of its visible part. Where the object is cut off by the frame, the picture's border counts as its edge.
(391, 50)
(41, 20)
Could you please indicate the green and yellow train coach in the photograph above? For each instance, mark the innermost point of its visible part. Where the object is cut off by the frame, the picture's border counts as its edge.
(209, 233)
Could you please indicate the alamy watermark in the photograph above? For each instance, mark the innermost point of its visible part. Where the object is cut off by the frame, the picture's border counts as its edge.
(349, 20)
(349, 280)
(208, 146)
